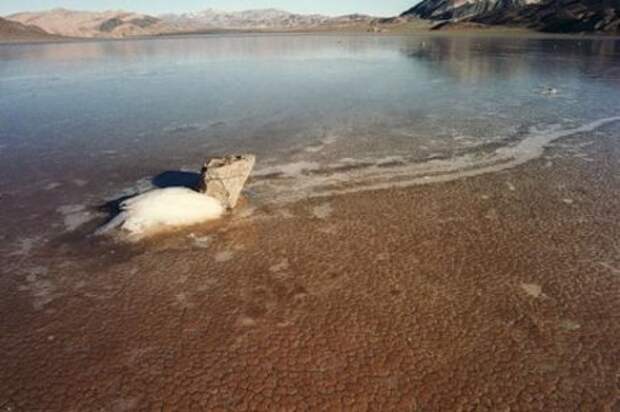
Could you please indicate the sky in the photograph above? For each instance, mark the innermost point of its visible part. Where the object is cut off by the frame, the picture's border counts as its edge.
(328, 7)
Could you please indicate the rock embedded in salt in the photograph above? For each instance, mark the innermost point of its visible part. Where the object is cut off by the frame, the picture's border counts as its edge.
(223, 178)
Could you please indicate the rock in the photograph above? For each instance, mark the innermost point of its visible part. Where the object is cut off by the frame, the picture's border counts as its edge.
(223, 178)
(550, 91)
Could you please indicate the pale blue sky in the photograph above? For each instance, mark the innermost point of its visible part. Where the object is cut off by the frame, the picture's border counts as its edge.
(330, 7)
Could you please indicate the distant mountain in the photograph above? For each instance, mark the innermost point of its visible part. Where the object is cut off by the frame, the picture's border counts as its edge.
(451, 9)
(116, 24)
(92, 24)
(248, 19)
(261, 19)
(11, 30)
(561, 16)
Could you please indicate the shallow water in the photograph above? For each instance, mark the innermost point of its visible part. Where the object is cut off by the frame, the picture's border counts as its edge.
(81, 123)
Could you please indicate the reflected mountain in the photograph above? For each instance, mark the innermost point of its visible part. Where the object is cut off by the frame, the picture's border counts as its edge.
(480, 59)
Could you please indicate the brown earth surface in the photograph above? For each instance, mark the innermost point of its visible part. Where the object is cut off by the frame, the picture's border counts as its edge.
(499, 292)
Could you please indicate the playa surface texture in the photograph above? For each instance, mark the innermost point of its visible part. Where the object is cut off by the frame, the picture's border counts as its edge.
(496, 292)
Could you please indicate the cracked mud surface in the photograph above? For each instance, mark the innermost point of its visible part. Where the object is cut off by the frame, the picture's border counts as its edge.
(468, 295)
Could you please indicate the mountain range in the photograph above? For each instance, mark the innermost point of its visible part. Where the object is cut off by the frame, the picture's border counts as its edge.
(572, 16)
(116, 24)
(248, 19)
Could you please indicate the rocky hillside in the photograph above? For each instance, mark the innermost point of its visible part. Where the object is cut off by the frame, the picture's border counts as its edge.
(557, 16)
(561, 16)
(92, 24)
(451, 9)
(261, 19)
(11, 30)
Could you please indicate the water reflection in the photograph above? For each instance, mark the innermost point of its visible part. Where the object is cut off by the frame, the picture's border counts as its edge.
(477, 60)
(196, 48)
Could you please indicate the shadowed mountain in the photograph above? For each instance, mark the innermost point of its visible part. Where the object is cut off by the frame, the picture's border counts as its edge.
(561, 16)
(557, 16)
(451, 9)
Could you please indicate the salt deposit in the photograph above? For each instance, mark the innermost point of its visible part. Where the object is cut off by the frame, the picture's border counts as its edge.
(161, 209)
(375, 176)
